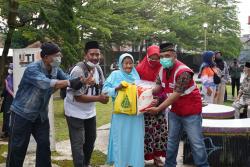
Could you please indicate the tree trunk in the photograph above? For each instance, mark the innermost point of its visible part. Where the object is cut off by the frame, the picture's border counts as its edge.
(12, 14)
(141, 49)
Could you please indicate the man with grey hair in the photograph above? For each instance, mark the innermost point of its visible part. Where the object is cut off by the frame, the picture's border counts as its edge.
(29, 110)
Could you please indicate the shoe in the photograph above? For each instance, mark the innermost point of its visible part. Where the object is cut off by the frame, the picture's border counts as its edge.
(4, 137)
(158, 162)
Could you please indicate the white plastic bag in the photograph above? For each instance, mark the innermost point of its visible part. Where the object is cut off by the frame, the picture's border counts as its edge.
(144, 95)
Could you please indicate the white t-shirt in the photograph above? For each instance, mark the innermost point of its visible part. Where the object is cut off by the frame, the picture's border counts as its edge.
(76, 109)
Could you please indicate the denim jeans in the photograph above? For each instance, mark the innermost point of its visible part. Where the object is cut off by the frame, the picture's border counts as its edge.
(20, 131)
(82, 135)
(192, 125)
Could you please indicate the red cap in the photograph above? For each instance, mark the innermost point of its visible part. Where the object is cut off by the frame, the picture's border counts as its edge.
(153, 49)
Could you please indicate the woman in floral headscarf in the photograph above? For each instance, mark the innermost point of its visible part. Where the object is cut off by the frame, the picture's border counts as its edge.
(127, 132)
(155, 125)
(7, 94)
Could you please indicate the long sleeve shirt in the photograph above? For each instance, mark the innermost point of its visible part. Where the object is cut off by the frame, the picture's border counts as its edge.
(34, 91)
(207, 77)
(245, 88)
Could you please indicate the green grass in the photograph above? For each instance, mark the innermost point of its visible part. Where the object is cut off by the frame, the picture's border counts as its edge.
(97, 159)
(228, 87)
(228, 103)
(103, 114)
(3, 148)
(63, 163)
(61, 129)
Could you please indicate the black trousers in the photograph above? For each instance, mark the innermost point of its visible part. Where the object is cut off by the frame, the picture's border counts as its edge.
(235, 82)
(82, 133)
(20, 131)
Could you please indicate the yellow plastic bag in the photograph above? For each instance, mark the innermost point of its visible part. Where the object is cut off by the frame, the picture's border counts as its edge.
(125, 102)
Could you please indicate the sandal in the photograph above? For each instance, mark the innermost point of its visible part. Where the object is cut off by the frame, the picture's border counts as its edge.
(158, 162)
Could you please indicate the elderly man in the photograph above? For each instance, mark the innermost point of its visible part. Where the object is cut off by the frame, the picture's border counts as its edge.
(29, 110)
(176, 81)
(243, 99)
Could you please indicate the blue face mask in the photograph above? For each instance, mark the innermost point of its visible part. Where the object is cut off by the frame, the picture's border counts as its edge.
(166, 62)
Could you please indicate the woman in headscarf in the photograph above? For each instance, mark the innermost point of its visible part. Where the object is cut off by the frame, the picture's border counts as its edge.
(7, 94)
(155, 125)
(127, 132)
(208, 70)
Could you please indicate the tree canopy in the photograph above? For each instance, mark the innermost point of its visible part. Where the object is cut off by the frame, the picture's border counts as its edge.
(115, 23)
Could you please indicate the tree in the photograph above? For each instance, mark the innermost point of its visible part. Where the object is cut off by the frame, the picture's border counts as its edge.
(64, 30)
(71, 23)
(16, 18)
(12, 14)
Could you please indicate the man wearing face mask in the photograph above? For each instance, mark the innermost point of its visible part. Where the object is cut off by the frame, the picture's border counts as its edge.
(80, 108)
(176, 81)
(29, 110)
(7, 94)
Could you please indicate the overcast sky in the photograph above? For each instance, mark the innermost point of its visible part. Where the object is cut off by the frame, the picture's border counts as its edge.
(244, 12)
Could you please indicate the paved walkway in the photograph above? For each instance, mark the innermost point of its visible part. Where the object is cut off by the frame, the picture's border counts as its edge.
(64, 150)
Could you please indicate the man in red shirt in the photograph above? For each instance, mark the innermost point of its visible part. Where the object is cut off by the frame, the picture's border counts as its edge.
(176, 82)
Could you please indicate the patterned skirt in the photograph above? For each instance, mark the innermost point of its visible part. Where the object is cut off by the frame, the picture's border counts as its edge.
(155, 140)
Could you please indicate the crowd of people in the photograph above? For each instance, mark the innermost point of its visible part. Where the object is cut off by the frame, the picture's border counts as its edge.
(215, 74)
(132, 138)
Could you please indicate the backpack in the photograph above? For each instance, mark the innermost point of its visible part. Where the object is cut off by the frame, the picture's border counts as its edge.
(86, 70)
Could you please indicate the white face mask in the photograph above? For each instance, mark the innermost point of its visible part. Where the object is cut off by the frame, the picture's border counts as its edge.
(10, 71)
(92, 64)
(56, 61)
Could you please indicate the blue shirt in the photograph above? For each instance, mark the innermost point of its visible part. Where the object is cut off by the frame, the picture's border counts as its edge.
(34, 91)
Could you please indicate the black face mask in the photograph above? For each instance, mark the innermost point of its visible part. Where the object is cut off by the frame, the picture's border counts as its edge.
(219, 63)
(218, 58)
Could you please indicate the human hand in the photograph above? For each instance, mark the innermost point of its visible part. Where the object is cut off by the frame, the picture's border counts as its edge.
(153, 110)
(209, 91)
(154, 103)
(103, 98)
(89, 80)
(76, 83)
(237, 99)
(119, 87)
(216, 94)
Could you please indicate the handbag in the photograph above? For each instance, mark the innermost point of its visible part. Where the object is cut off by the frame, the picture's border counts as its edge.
(217, 79)
(126, 100)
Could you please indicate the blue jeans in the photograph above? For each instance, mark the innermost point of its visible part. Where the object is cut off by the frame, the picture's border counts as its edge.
(192, 125)
(20, 131)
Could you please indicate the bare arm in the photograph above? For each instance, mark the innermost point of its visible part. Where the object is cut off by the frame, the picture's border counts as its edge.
(103, 98)
(86, 98)
(181, 85)
(170, 100)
